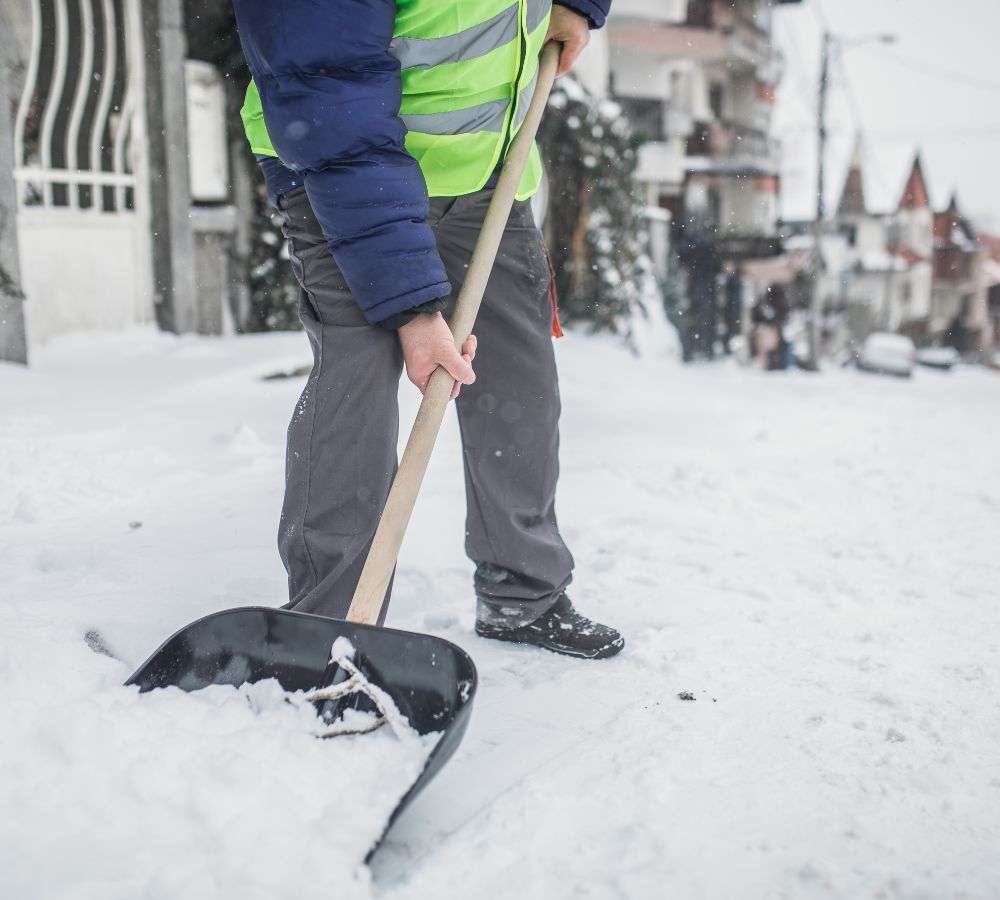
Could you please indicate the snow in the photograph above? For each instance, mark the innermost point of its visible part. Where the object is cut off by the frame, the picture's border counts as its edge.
(109, 795)
(813, 558)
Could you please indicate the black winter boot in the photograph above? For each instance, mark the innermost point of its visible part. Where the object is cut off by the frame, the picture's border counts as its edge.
(562, 630)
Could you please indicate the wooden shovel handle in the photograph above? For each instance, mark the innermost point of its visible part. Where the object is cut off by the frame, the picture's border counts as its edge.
(370, 594)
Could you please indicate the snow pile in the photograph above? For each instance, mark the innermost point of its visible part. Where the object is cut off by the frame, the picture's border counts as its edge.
(221, 793)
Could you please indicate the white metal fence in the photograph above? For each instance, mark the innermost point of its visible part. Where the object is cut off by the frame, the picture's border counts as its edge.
(79, 143)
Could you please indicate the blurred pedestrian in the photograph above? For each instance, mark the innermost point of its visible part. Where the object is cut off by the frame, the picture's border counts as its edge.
(769, 315)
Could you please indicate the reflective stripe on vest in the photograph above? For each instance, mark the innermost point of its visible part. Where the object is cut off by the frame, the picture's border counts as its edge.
(422, 53)
(468, 70)
(487, 117)
(466, 90)
(473, 42)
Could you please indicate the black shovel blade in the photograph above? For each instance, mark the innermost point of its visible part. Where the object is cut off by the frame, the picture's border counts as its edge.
(432, 681)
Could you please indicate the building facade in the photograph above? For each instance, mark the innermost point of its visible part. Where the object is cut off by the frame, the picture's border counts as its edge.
(912, 270)
(698, 80)
(959, 310)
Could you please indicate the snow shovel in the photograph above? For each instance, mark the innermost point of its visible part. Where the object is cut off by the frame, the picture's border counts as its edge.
(431, 681)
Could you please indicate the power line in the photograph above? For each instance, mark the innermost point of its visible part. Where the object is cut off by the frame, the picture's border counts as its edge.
(972, 131)
(843, 129)
(918, 65)
(914, 62)
(873, 166)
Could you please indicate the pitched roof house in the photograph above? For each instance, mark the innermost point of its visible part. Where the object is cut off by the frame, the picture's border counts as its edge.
(960, 314)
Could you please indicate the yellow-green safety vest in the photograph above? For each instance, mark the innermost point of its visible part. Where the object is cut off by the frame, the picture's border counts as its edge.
(469, 69)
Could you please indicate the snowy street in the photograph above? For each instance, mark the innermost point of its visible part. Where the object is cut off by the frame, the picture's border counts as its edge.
(816, 559)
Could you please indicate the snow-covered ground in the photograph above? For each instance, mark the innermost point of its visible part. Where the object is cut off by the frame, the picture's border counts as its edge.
(815, 559)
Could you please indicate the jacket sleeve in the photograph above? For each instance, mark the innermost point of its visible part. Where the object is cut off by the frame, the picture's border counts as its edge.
(596, 11)
(331, 93)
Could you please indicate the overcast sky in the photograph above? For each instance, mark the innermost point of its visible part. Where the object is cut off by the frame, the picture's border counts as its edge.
(937, 88)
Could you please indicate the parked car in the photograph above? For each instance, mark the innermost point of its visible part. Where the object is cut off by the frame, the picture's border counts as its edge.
(945, 358)
(888, 354)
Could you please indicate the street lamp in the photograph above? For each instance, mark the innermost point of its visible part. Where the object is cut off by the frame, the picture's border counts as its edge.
(831, 43)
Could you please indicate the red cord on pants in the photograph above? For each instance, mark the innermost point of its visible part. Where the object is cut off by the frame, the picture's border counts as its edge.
(553, 298)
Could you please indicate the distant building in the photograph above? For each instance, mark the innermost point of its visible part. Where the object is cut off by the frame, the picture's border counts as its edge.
(959, 303)
(871, 282)
(911, 243)
(991, 270)
(911, 270)
(698, 78)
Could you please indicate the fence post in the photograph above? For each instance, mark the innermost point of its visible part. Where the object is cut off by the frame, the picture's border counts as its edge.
(168, 187)
(13, 335)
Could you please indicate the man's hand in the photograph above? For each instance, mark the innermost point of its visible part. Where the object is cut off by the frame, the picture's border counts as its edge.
(427, 344)
(572, 31)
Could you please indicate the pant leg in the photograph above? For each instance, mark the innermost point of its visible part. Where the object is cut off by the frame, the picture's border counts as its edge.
(510, 421)
(341, 453)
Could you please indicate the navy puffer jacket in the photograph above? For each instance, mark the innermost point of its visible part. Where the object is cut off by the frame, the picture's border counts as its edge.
(331, 93)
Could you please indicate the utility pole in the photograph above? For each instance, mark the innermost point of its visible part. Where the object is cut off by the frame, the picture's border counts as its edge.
(831, 43)
(816, 302)
(13, 336)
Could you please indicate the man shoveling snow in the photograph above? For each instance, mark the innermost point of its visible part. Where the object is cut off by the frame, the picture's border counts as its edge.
(382, 212)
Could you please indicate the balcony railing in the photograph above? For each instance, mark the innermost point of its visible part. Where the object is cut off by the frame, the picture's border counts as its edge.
(732, 143)
(750, 45)
(751, 142)
(702, 241)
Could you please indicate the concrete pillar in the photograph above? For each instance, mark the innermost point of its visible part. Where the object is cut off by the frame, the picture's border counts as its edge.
(169, 192)
(13, 334)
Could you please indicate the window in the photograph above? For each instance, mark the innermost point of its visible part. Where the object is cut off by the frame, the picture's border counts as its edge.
(645, 116)
(700, 14)
(699, 143)
(716, 99)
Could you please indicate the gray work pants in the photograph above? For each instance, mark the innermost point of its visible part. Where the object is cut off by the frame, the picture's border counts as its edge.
(342, 438)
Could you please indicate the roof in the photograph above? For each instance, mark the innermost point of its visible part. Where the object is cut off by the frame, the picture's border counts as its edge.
(852, 198)
(952, 229)
(915, 193)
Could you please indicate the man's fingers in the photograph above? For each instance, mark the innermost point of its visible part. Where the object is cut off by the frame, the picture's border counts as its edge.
(427, 344)
(460, 368)
(571, 51)
(571, 30)
(468, 354)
